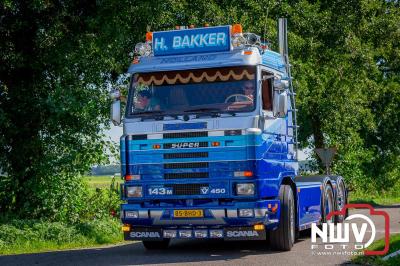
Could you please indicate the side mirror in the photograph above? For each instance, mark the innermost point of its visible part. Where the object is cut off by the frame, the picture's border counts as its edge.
(115, 112)
(280, 104)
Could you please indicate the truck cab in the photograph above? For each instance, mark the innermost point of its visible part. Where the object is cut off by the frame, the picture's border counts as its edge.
(209, 146)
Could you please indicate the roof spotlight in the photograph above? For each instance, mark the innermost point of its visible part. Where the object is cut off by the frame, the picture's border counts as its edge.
(252, 38)
(143, 49)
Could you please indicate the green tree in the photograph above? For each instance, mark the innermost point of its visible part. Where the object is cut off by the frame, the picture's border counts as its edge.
(60, 58)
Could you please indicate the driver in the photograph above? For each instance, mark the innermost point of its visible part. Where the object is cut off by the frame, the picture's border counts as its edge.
(248, 90)
(145, 102)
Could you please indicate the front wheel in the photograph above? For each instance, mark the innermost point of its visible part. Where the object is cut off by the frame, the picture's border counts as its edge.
(151, 245)
(283, 237)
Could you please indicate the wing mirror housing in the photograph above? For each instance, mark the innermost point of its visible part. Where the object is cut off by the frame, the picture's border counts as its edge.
(115, 111)
(280, 104)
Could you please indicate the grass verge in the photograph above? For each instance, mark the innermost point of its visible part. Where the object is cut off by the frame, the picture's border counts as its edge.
(27, 236)
(378, 260)
(374, 200)
(101, 181)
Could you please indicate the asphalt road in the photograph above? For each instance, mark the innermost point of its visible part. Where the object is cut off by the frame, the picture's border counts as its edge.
(200, 252)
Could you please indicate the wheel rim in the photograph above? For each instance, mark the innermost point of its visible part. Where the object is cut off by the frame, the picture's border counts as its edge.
(341, 201)
(328, 204)
(292, 220)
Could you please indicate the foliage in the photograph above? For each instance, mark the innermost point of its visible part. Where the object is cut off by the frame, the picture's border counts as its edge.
(60, 58)
(394, 245)
(27, 236)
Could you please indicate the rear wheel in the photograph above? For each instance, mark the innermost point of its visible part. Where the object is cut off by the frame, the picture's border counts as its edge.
(328, 203)
(341, 200)
(283, 237)
(163, 244)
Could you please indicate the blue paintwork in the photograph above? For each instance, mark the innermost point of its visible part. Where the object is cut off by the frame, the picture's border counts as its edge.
(269, 155)
(183, 126)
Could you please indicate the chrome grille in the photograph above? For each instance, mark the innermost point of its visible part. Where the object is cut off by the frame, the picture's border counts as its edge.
(185, 155)
(185, 135)
(185, 165)
(185, 175)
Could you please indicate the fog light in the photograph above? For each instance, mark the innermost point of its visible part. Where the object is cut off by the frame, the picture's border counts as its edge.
(200, 234)
(245, 189)
(126, 228)
(169, 233)
(246, 212)
(259, 227)
(185, 233)
(131, 214)
(216, 233)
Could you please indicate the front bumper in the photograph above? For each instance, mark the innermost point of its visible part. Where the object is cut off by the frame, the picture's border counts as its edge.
(264, 212)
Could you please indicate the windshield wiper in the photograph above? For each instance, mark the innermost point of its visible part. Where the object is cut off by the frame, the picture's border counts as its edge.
(149, 112)
(212, 109)
(213, 112)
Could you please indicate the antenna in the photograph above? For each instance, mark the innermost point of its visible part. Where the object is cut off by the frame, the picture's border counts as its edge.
(265, 23)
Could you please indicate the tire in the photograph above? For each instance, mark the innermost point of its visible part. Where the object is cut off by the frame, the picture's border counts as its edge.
(152, 245)
(328, 203)
(341, 200)
(284, 236)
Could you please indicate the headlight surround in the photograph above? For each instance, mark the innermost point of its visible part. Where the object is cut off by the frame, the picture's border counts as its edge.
(246, 212)
(245, 189)
(134, 191)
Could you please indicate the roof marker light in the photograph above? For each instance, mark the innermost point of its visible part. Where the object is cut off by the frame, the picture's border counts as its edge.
(149, 36)
(236, 29)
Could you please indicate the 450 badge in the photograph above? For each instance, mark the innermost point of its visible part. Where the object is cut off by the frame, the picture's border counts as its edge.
(208, 190)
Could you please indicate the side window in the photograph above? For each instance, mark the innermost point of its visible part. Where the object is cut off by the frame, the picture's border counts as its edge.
(266, 90)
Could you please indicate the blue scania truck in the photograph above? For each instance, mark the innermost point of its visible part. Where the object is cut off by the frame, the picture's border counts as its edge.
(209, 145)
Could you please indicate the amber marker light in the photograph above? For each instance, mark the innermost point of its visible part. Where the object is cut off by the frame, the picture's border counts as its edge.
(215, 143)
(248, 52)
(236, 29)
(248, 173)
(259, 227)
(149, 36)
(156, 146)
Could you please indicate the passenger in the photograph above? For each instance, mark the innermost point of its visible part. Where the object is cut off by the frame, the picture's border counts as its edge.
(145, 102)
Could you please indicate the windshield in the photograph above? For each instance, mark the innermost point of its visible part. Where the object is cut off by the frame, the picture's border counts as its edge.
(193, 91)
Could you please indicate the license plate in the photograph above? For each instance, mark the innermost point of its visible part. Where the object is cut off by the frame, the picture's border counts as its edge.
(188, 213)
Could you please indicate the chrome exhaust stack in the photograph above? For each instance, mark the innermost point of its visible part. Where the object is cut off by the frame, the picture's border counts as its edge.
(282, 37)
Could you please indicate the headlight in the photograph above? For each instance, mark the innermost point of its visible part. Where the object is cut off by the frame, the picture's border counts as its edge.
(134, 192)
(143, 49)
(244, 189)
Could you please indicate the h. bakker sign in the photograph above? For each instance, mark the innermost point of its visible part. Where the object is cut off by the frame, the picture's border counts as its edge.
(201, 40)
